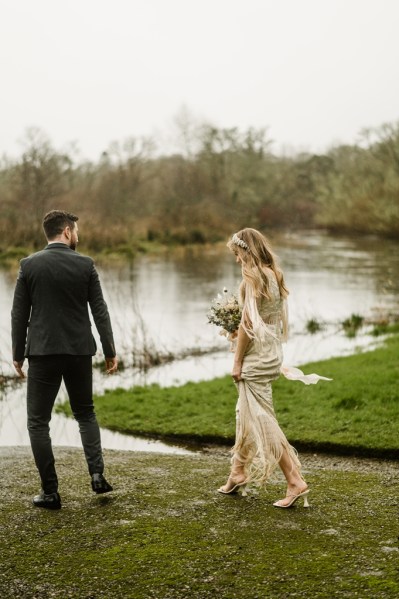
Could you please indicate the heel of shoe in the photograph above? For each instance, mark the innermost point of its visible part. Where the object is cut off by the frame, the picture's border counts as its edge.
(305, 501)
(99, 484)
(243, 490)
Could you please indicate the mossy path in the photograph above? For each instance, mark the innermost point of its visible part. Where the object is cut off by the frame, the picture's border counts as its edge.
(165, 532)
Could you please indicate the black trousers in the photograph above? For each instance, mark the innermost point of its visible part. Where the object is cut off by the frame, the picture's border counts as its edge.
(45, 375)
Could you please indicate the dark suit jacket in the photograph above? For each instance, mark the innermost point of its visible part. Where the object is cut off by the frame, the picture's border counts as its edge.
(50, 309)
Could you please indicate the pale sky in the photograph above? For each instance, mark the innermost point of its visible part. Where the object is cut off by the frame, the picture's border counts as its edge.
(313, 72)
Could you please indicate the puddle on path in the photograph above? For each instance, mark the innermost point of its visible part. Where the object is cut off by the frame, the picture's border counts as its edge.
(64, 431)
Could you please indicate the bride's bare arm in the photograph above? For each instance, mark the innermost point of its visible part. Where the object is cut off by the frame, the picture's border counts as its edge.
(242, 344)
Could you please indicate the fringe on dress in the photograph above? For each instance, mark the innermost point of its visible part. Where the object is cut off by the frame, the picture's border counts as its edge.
(260, 442)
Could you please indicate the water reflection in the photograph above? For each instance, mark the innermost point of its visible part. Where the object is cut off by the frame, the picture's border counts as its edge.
(64, 431)
(329, 279)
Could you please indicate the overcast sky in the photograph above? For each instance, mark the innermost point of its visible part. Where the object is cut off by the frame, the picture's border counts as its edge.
(314, 72)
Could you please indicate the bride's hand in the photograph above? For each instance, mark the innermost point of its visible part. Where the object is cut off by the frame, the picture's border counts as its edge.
(236, 372)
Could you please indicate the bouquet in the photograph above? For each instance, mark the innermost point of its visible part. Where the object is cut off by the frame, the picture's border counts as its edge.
(225, 312)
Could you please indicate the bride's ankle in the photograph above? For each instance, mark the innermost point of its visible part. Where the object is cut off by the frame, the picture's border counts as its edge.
(237, 475)
(299, 484)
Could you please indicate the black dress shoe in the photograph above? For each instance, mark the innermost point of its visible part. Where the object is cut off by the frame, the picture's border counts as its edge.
(50, 501)
(99, 484)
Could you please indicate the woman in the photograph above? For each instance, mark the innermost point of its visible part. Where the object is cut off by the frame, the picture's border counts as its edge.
(260, 444)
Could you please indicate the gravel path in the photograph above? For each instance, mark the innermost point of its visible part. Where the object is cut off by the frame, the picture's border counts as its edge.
(166, 532)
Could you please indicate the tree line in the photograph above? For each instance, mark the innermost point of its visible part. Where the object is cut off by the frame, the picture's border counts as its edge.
(219, 181)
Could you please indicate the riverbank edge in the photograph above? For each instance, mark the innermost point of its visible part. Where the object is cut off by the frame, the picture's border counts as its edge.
(310, 459)
(11, 256)
(200, 443)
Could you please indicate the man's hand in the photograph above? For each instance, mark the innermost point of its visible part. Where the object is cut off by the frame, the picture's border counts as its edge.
(18, 368)
(111, 365)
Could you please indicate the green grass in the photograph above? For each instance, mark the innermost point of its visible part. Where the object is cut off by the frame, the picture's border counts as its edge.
(357, 412)
(166, 534)
(120, 252)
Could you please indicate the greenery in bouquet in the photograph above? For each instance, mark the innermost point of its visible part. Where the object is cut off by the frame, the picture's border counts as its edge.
(225, 312)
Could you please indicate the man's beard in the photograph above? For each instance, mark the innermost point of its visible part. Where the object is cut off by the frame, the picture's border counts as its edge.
(73, 245)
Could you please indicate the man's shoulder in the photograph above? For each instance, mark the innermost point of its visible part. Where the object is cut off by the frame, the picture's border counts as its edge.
(59, 253)
(78, 256)
(82, 260)
(32, 257)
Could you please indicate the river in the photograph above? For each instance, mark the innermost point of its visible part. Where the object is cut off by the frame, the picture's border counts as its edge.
(162, 301)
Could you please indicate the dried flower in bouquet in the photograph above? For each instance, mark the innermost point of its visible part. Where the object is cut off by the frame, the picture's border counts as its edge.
(225, 312)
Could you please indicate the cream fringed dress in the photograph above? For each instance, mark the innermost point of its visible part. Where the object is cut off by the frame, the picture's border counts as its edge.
(260, 442)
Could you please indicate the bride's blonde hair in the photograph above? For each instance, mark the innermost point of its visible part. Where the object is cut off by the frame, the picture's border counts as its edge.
(256, 255)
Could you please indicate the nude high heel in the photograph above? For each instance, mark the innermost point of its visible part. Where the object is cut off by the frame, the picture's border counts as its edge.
(237, 488)
(293, 499)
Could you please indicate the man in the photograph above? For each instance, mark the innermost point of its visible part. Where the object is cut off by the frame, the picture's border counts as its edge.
(51, 327)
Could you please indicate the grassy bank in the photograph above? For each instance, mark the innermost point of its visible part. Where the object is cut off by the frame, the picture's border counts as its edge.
(164, 533)
(11, 256)
(109, 254)
(357, 412)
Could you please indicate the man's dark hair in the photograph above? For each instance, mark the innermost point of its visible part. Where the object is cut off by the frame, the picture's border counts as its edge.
(55, 221)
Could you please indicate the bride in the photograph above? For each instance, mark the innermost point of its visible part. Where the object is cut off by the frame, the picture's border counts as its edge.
(260, 444)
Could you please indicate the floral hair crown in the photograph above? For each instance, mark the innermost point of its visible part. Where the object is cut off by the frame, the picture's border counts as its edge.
(237, 241)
